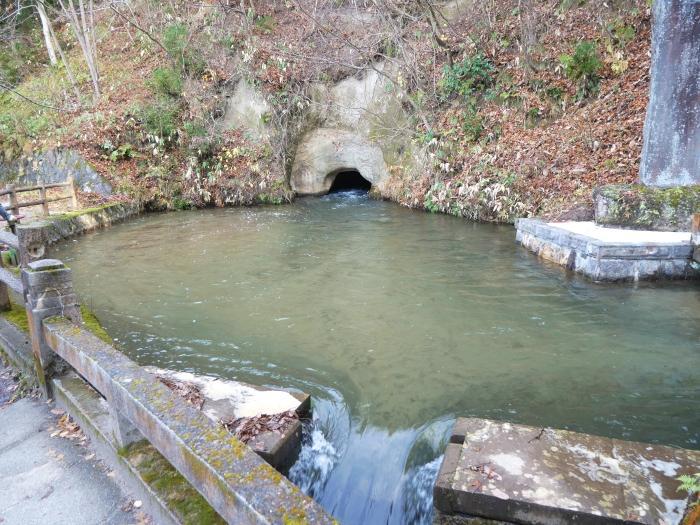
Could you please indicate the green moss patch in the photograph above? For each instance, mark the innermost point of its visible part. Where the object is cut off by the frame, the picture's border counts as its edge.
(17, 315)
(168, 483)
(92, 324)
(642, 207)
(77, 213)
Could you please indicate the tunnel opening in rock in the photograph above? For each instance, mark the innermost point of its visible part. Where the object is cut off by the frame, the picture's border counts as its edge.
(349, 180)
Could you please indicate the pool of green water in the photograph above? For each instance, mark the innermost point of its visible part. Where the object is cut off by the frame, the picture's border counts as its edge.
(396, 322)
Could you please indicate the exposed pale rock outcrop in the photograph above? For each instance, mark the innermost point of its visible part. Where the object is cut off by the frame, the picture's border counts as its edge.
(325, 152)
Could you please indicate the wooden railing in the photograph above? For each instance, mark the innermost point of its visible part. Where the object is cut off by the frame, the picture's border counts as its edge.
(235, 481)
(44, 200)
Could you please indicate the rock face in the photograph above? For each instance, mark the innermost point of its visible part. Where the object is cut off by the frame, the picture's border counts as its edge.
(358, 123)
(246, 109)
(55, 166)
(325, 152)
(671, 154)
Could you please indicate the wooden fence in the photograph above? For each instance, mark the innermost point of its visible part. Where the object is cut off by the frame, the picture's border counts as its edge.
(44, 200)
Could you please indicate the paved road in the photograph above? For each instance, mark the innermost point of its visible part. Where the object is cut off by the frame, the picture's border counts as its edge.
(53, 480)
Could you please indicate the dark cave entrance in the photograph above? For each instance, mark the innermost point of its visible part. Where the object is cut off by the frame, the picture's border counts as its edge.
(349, 180)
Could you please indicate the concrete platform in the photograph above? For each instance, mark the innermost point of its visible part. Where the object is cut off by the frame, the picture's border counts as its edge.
(610, 254)
(226, 400)
(520, 474)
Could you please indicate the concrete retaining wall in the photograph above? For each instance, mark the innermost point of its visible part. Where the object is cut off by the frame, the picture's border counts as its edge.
(34, 238)
(604, 261)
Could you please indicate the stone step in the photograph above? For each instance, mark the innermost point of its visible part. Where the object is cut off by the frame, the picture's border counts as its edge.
(520, 474)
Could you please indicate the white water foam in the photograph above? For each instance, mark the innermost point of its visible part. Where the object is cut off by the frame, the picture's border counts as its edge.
(316, 460)
(418, 493)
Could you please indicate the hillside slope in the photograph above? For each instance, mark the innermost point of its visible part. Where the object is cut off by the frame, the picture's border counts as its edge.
(514, 107)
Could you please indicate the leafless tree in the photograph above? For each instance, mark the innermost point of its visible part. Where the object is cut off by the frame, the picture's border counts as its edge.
(82, 22)
(46, 31)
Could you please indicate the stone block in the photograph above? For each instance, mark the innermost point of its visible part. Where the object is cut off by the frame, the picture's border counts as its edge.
(607, 254)
(48, 289)
(523, 474)
(227, 400)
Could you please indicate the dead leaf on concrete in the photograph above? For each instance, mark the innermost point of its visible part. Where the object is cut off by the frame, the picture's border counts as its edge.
(248, 428)
(188, 391)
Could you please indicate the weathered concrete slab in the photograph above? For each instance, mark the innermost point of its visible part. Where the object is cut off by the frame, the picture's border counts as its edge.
(522, 474)
(609, 254)
(10, 239)
(643, 208)
(226, 400)
(237, 483)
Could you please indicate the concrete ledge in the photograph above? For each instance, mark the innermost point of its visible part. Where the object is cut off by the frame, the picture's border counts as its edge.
(225, 400)
(520, 474)
(607, 258)
(35, 237)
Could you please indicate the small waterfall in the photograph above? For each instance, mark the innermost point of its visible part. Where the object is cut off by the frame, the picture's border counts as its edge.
(316, 460)
(418, 493)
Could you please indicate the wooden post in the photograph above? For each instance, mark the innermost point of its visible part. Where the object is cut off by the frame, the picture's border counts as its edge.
(71, 189)
(44, 204)
(14, 205)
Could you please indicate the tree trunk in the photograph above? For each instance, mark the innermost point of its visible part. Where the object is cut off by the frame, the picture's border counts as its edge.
(82, 28)
(46, 30)
(671, 154)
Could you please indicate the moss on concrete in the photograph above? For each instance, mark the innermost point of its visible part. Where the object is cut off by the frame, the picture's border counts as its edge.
(92, 324)
(182, 499)
(17, 315)
(77, 213)
(9, 259)
(642, 207)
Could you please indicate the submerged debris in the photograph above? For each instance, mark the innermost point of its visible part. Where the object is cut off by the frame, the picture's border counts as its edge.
(188, 391)
(248, 428)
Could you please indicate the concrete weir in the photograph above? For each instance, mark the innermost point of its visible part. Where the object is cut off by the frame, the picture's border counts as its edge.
(507, 473)
(610, 254)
